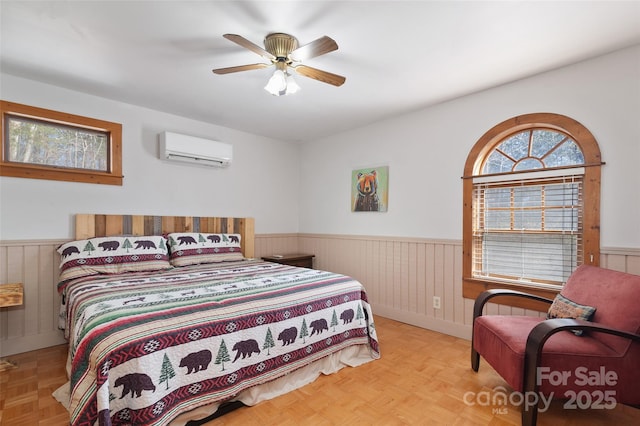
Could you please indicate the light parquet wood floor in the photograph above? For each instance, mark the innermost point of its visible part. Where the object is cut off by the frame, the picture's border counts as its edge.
(421, 379)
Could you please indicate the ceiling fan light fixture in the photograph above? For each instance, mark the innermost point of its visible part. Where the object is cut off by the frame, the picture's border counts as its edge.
(281, 82)
(277, 83)
(292, 86)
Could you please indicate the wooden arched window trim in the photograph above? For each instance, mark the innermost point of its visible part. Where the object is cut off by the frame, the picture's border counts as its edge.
(472, 287)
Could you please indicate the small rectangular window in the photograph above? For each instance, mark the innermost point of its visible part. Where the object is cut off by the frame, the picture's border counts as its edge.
(41, 142)
(44, 144)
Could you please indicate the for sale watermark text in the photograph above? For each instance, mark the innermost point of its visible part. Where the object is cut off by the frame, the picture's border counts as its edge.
(595, 393)
(581, 376)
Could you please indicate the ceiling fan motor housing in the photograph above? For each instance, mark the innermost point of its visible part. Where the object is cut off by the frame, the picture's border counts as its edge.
(280, 45)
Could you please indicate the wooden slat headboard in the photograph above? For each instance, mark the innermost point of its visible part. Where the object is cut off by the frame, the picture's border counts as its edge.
(104, 225)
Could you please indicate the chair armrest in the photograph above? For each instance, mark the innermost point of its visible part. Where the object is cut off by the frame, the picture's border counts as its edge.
(487, 295)
(533, 352)
(541, 332)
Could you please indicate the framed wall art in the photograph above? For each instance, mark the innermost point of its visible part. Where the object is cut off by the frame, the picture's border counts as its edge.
(370, 189)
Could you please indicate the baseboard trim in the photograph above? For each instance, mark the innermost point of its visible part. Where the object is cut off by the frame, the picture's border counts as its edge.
(446, 327)
(23, 344)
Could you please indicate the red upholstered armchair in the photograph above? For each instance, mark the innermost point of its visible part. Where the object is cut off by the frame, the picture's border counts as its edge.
(538, 356)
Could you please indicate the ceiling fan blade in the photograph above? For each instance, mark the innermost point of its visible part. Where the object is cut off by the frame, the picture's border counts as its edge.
(323, 76)
(238, 39)
(239, 68)
(317, 47)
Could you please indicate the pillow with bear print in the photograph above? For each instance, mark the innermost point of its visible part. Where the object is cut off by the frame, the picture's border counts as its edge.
(113, 255)
(191, 248)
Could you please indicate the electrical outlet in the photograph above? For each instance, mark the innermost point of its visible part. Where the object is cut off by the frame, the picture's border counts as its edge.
(436, 302)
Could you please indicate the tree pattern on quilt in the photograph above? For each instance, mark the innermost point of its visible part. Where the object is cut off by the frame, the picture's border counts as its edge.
(268, 341)
(89, 247)
(304, 331)
(166, 371)
(135, 383)
(223, 355)
(334, 320)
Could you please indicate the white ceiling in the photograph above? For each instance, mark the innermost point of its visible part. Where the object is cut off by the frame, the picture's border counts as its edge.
(397, 56)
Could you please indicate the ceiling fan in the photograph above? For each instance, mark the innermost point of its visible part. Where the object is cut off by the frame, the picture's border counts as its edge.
(283, 51)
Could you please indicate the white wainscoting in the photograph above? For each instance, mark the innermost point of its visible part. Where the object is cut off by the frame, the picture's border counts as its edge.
(401, 275)
(268, 244)
(33, 325)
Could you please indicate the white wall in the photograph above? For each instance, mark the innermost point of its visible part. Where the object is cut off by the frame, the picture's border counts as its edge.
(426, 152)
(262, 182)
(280, 184)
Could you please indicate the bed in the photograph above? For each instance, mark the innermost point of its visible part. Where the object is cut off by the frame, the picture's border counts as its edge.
(168, 318)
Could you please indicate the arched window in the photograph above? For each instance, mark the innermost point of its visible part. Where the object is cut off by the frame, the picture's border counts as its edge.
(531, 205)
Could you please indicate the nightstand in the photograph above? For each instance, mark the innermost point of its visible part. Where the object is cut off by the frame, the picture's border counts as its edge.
(295, 259)
(10, 295)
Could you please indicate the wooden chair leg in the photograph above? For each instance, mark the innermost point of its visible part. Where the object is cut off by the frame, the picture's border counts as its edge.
(475, 359)
(529, 415)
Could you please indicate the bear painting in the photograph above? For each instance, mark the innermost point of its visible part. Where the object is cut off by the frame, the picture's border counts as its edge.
(369, 190)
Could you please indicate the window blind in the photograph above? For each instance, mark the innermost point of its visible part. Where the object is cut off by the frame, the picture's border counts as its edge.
(528, 230)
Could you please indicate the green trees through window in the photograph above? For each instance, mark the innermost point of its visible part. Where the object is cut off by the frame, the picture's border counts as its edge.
(40, 142)
(43, 144)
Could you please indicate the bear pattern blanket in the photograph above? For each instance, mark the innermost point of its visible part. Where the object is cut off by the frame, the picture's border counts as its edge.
(145, 347)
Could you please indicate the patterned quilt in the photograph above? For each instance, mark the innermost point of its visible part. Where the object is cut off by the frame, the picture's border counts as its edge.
(148, 346)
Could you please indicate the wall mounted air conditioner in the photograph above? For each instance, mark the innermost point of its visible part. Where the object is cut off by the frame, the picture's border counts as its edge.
(190, 149)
